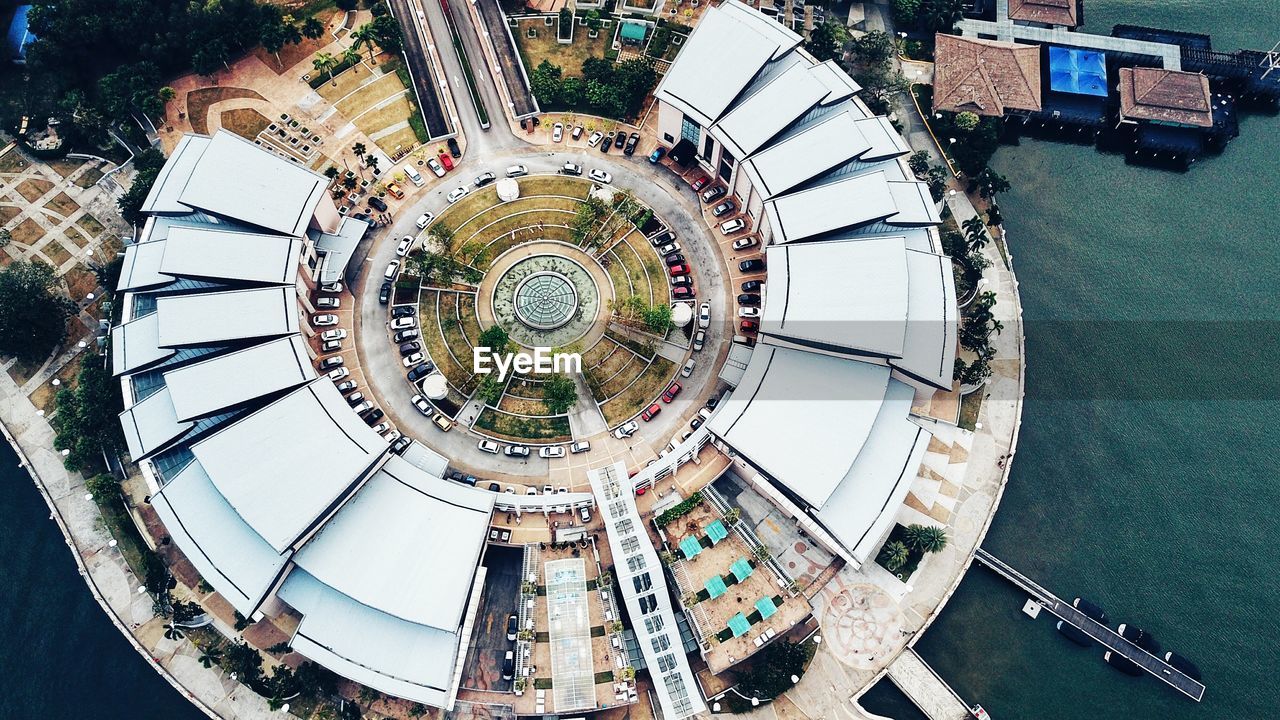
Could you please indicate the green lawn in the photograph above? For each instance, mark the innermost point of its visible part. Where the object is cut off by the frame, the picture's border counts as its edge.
(643, 391)
(515, 428)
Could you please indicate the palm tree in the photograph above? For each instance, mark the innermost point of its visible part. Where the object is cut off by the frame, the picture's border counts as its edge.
(325, 62)
(350, 56)
(894, 555)
(210, 656)
(941, 15)
(172, 632)
(359, 149)
(926, 538)
(367, 36)
(312, 28)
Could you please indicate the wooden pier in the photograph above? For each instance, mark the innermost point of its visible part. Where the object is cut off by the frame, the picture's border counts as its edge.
(1104, 635)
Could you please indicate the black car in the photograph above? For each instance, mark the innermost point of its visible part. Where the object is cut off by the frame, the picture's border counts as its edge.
(384, 293)
(421, 371)
(662, 238)
(495, 487)
(361, 216)
(632, 141)
(400, 311)
(752, 265)
(374, 416)
(752, 286)
(749, 299)
(377, 204)
(400, 445)
(410, 348)
(620, 139)
(696, 423)
(713, 194)
(608, 143)
(674, 259)
(405, 336)
(456, 151)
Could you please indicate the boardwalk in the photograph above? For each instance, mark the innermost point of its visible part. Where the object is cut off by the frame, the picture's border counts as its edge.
(926, 688)
(1101, 633)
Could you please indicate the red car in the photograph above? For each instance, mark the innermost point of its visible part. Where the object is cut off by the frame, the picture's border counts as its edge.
(699, 182)
(651, 412)
(671, 392)
(678, 270)
(446, 161)
(749, 326)
(683, 292)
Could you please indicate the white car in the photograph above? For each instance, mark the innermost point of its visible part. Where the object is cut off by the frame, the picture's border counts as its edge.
(557, 132)
(411, 360)
(744, 243)
(626, 430)
(517, 171)
(552, 451)
(338, 374)
(516, 451)
(403, 248)
(393, 267)
(600, 176)
(333, 287)
(404, 323)
(749, 312)
(699, 339)
(381, 427)
(488, 446)
(457, 195)
(414, 176)
(324, 320)
(333, 335)
(687, 370)
(436, 167)
(424, 220)
(580, 446)
(422, 405)
(704, 315)
(328, 303)
(732, 226)
(595, 139)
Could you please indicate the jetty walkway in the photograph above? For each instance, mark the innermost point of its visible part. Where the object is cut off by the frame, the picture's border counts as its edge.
(926, 688)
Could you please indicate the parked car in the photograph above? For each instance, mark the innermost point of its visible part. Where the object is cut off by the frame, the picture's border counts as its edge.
(517, 171)
(384, 293)
(749, 312)
(669, 248)
(436, 168)
(680, 269)
(404, 323)
(626, 429)
(402, 248)
(620, 139)
(444, 423)
(595, 139)
(377, 204)
(516, 451)
(577, 132)
(600, 176)
(454, 150)
(683, 292)
(580, 446)
(330, 335)
(730, 227)
(699, 340)
(674, 259)
(373, 416)
(346, 386)
(509, 665)
(741, 243)
(338, 374)
(678, 280)
(495, 487)
(687, 370)
(330, 346)
(457, 195)
(393, 268)
(400, 311)
(324, 320)
(632, 141)
(333, 287)
(424, 220)
(748, 326)
(330, 363)
(489, 446)
(328, 303)
(662, 238)
(752, 285)
(651, 412)
(511, 628)
(421, 371)
(672, 391)
(557, 132)
(657, 154)
(699, 181)
(355, 398)
(413, 359)
(712, 194)
(414, 176)
(723, 208)
(551, 451)
(484, 179)
(423, 405)
(400, 444)
(584, 512)
(394, 190)
(752, 265)
(571, 169)
(704, 315)
(445, 161)
(362, 407)
(410, 348)
(748, 299)
(405, 336)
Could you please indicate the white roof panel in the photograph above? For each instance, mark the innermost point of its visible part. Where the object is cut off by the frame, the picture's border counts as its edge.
(229, 555)
(424, 458)
(885, 141)
(285, 465)
(929, 348)
(226, 381)
(802, 417)
(236, 179)
(915, 205)
(136, 344)
(407, 544)
(339, 248)
(209, 318)
(838, 83)
(843, 295)
(768, 111)
(371, 647)
(215, 254)
(152, 424)
(815, 150)
(173, 177)
(835, 206)
(141, 268)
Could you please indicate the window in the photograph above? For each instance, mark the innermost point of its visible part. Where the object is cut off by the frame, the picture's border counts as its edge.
(707, 147)
(648, 604)
(625, 526)
(618, 508)
(636, 563)
(690, 130)
(630, 544)
(668, 138)
(654, 624)
(666, 663)
(642, 582)
(660, 643)
(678, 693)
(727, 161)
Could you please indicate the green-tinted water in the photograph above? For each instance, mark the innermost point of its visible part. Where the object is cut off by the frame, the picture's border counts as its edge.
(1146, 474)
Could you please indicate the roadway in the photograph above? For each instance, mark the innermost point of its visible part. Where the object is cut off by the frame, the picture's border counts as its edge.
(430, 95)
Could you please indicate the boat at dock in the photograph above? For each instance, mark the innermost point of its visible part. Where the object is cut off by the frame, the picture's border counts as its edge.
(1074, 634)
(1121, 663)
(1183, 665)
(1139, 637)
(1091, 609)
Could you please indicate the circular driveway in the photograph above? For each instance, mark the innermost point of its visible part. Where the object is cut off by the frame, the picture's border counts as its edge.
(657, 187)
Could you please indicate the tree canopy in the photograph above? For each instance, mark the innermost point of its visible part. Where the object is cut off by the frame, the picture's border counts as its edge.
(86, 421)
(147, 165)
(826, 41)
(33, 311)
(559, 393)
(605, 88)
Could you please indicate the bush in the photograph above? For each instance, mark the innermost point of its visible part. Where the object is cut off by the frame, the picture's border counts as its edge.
(103, 486)
(87, 421)
(33, 311)
(684, 507)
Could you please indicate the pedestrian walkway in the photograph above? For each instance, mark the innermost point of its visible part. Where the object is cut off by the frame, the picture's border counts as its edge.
(926, 689)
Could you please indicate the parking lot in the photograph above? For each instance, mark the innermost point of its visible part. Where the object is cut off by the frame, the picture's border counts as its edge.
(489, 639)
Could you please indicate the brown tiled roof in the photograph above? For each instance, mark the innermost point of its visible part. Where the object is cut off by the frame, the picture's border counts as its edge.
(1165, 96)
(985, 76)
(1052, 12)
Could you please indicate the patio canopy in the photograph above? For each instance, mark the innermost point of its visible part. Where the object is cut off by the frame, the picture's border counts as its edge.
(766, 607)
(739, 625)
(741, 569)
(690, 547)
(716, 587)
(716, 532)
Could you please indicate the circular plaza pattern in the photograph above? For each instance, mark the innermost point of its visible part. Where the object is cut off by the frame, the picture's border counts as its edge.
(546, 300)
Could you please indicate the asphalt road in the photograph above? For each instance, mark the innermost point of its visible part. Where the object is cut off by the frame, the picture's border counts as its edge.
(508, 56)
(489, 642)
(424, 76)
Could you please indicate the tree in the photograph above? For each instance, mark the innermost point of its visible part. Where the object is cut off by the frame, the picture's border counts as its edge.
(894, 555)
(975, 233)
(495, 338)
(559, 393)
(147, 165)
(937, 181)
(367, 36)
(207, 59)
(940, 15)
(86, 422)
(770, 676)
(165, 94)
(874, 48)
(331, 172)
(5, 237)
(325, 63)
(919, 163)
(593, 19)
(905, 12)
(33, 311)
(387, 32)
(990, 183)
(657, 318)
(359, 149)
(966, 121)
(826, 41)
(103, 486)
(633, 79)
(312, 28)
(926, 538)
(442, 234)
(348, 5)
(210, 656)
(244, 662)
(544, 82)
(273, 33)
(490, 390)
